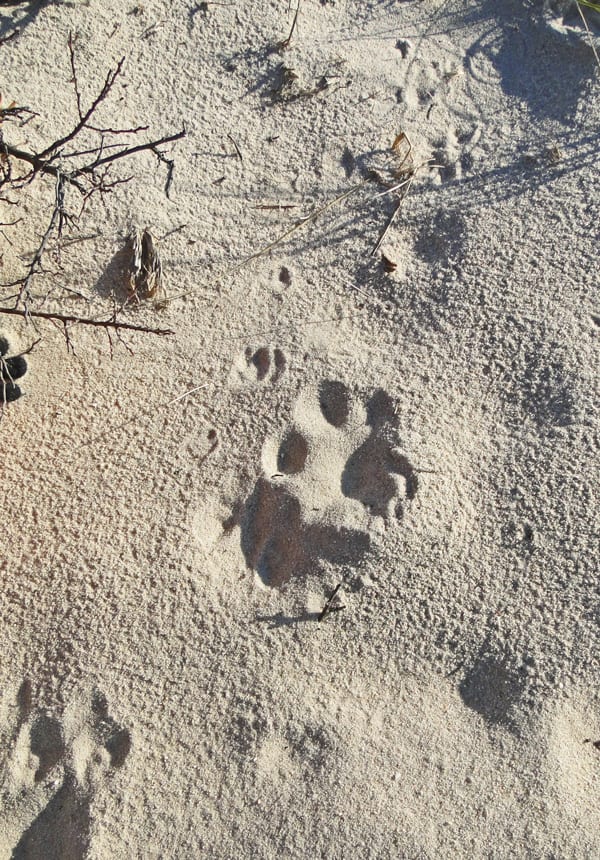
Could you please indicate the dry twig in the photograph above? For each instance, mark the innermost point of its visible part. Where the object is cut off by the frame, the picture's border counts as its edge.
(286, 42)
(86, 170)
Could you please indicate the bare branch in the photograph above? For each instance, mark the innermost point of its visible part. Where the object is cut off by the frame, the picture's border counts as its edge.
(71, 43)
(66, 319)
(10, 36)
(40, 165)
(16, 112)
(36, 263)
(130, 150)
(170, 168)
(135, 130)
(286, 42)
(108, 84)
(88, 172)
(387, 227)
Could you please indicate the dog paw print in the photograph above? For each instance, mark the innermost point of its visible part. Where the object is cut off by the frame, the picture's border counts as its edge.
(11, 369)
(98, 744)
(334, 478)
(258, 366)
(52, 770)
(31, 750)
(454, 153)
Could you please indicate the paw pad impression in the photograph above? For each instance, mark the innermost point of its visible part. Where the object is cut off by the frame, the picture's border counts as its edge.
(327, 478)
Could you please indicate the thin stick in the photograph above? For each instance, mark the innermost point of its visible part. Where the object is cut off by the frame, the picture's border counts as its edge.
(387, 227)
(328, 607)
(585, 24)
(170, 162)
(130, 150)
(286, 42)
(10, 36)
(394, 188)
(111, 322)
(299, 224)
(186, 393)
(265, 206)
(37, 259)
(38, 164)
(237, 149)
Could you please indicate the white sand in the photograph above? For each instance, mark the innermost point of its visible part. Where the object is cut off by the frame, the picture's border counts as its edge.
(428, 435)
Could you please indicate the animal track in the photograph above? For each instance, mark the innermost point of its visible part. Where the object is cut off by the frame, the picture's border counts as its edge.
(11, 369)
(51, 771)
(256, 366)
(453, 153)
(326, 480)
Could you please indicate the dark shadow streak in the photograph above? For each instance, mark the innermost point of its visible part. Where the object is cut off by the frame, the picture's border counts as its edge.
(61, 830)
(462, 195)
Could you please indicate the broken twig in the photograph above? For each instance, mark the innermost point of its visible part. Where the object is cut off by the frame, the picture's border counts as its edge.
(328, 608)
(65, 319)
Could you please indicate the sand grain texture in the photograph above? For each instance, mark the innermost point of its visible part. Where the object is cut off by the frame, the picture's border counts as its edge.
(428, 435)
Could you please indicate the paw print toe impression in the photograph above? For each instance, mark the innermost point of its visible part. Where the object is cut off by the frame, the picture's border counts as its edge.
(257, 367)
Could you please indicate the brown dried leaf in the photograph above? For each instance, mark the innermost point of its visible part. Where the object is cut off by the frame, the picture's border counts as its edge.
(402, 149)
(145, 271)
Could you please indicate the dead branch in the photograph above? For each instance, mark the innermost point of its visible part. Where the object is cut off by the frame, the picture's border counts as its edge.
(128, 151)
(39, 166)
(286, 42)
(36, 263)
(108, 85)
(405, 171)
(15, 111)
(66, 319)
(88, 173)
(389, 224)
(10, 36)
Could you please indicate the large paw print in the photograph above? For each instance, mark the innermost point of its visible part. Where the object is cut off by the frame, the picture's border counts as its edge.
(332, 479)
(11, 369)
(51, 772)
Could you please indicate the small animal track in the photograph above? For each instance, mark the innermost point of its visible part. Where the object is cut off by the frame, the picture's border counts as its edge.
(11, 369)
(258, 366)
(453, 153)
(333, 474)
(51, 770)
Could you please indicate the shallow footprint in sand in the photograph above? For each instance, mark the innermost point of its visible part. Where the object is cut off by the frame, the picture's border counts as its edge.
(53, 771)
(332, 479)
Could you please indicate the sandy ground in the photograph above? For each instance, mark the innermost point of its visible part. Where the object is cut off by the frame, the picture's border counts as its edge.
(427, 436)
